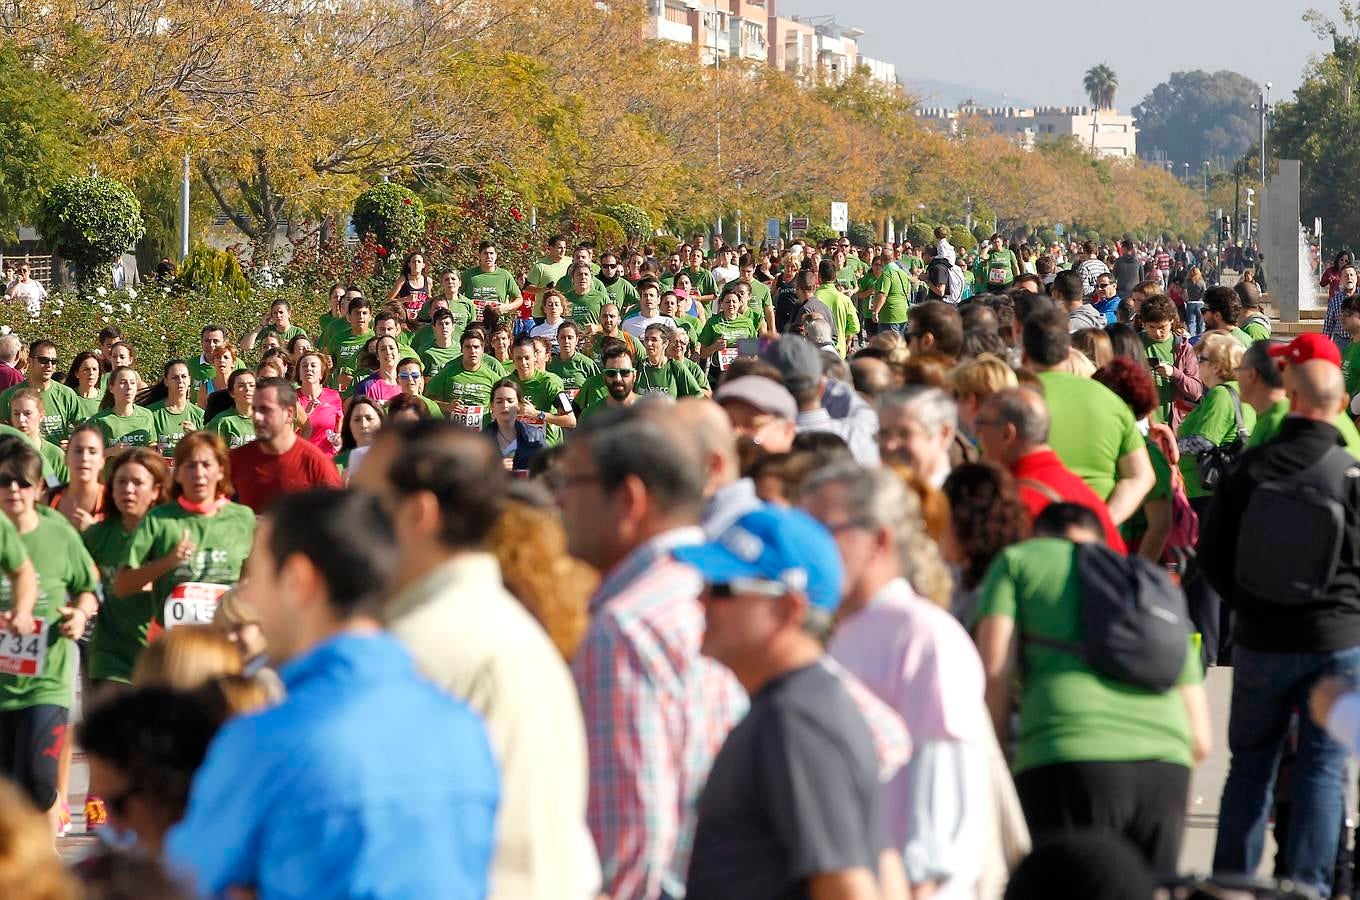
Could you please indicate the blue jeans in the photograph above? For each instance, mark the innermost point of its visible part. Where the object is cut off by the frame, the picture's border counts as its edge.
(877, 327)
(1267, 687)
(1194, 316)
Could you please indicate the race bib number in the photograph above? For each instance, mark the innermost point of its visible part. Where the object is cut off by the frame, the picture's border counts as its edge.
(998, 274)
(23, 654)
(727, 357)
(193, 603)
(571, 393)
(468, 416)
(415, 302)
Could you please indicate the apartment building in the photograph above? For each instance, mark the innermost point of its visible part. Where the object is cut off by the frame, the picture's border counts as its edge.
(1110, 132)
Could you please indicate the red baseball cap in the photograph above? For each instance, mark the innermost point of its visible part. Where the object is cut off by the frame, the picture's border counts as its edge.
(1308, 346)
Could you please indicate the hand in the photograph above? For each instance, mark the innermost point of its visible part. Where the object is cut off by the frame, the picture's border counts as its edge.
(81, 519)
(1165, 369)
(721, 345)
(1323, 696)
(73, 622)
(509, 463)
(19, 623)
(527, 410)
(184, 550)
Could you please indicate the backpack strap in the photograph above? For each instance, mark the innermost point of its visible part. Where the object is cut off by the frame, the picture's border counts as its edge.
(1242, 434)
(1052, 495)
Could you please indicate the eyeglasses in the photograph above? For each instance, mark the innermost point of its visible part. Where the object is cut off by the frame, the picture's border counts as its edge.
(1203, 359)
(739, 587)
(618, 373)
(46, 360)
(609, 265)
(409, 376)
(7, 481)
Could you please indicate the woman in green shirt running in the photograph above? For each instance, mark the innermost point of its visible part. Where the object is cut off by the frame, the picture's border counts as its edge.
(138, 481)
(81, 498)
(190, 550)
(85, 377)
(123, 422)
(235, 423)
(36, 692)
(26, 412)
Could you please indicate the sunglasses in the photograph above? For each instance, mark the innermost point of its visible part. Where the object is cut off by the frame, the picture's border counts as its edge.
(618, 373)
(46, 360)
(408, 376)
(14, 481)
(742, 587)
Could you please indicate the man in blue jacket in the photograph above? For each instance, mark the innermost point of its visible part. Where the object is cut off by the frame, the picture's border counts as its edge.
(367, 781)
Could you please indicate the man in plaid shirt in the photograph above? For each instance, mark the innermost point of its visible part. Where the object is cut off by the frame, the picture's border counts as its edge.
(656, 711)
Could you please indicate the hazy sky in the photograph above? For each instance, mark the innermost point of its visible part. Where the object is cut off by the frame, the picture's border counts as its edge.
(1041, 57)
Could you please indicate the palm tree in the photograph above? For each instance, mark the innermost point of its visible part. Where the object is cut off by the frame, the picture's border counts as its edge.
(1100, 83)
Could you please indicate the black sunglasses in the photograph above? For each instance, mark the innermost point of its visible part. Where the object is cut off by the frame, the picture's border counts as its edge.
(46, 360)
(14, 481)
(618, 373)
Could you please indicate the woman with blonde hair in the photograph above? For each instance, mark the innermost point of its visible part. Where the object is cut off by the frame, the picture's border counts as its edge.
(187, 657)
(238, 619)
(976, 380)
(1095, 344)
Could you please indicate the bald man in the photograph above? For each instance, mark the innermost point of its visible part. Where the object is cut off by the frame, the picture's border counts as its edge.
(872, 377)
(1290, 572)
(707, 427)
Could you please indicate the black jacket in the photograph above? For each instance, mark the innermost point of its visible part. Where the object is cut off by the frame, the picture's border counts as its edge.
(1128, 271)
(1331, 624)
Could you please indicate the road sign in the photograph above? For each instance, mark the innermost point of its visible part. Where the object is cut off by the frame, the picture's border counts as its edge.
(1058, 229)
(840, 217)
(772, 230)
(798, 223)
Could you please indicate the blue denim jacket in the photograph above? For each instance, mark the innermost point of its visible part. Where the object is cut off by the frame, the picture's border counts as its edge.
(367, 781)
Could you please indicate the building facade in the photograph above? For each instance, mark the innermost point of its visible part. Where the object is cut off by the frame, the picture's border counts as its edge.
(1110, 132)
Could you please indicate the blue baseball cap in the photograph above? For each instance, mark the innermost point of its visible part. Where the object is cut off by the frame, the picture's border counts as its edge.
(785, 546)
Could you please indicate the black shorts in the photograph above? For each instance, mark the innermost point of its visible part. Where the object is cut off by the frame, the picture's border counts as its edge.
(30, 750)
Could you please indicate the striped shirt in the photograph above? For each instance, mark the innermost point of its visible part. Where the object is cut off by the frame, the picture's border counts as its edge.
(656, 713)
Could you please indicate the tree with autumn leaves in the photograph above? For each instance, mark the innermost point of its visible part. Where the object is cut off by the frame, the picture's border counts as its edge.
(289, 109)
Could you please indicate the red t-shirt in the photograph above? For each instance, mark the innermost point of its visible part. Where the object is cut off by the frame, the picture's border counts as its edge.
(260, 477)
(1045, 468)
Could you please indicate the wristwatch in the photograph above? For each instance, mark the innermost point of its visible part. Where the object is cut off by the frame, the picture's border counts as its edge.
(542, 416)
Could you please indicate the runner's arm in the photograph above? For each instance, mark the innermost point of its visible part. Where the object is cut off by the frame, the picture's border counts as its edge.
(998, 645)
(708, 350)
(396, 289)
(1153, 545)
(1136, 478)
(1201, 726)
(25, 582)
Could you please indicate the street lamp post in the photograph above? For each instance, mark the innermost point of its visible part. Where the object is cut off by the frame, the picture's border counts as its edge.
(1187, 173)
(1206, 179)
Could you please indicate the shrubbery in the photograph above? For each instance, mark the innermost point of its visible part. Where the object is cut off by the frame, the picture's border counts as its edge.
(90, 221)
(391, 213)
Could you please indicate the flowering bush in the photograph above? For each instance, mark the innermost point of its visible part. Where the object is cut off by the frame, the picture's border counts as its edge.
(209, 270)
(394, 215)
(491, 213)
(90, 220)
(634, 221)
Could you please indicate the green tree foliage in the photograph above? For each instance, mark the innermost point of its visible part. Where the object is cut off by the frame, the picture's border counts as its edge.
(962, 238)
(41, 133)
(90, 221)
(391, 213)
(1100, 84)
(1198, 116)
(921, 233)
(634, 220)
(818, 233)
(862, 234)
(209, 270)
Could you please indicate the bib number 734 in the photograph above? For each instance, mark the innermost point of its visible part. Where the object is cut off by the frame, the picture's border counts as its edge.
(23, 654)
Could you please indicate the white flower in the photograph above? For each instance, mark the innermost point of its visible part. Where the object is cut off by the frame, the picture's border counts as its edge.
(106, 318)
(100, 290)
(56, 314)
(132, 293)
(126, 307)
(166, 291)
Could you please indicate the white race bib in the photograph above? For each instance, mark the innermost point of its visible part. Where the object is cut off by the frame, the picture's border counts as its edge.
(469, 416)
(23, 654)
(726, 357)
(193, 603)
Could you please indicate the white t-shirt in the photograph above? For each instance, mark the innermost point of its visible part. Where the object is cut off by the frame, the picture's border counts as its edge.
(636, 325)
(724, 274)
(30, 293)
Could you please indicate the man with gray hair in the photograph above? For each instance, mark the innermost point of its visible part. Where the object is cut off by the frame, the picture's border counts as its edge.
(916, 427)
(10, 374)
(1012, 427)
(916, 657)
(819, 332)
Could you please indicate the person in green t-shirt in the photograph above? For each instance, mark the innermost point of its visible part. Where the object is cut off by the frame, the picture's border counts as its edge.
(570, 365)
(411, 378)
(891, 287)
(762, 300)
(25, 419)
(347, 343)
(278, 321)
(620, 291)
(1068, 713)
(61, 410)
(489, 285)
(658, 374)
(1214, 422)
(548, 270)
(126, 424)
(204, 369)
(584, 299)
(1262, 385)
(190, 552)
(459, 307)
(675, 264)
(85, 379)
(463, 387)
(846, 323)
(719, 338)
(703, 289)
(678, 350)
(236, 425)
(138, 479)
(445, 349)
(544, 401)
(175, 416)
(1350, 357)
(335, 308)
(999, 268)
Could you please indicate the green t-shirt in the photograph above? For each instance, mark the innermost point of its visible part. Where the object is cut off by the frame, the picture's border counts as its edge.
(1092, 429)
(64, 568)
(496, 286)
(284, 336)
(1135, 527)
(55, 470)
(1068, 713)
(61, 409)
(548, 394)
(622, 294)
(171, 427)
(120, 628)
(760, 297)
(573, 372)
(1256, 327)
(585, 308)
(998, 269)
(345, 349)
(236, 429)
(1242, 337)
(668, 378)
(702, 282)
(593, 393)
(545, 274)
(221, 544)
(1268, 425)
(895, 283)
(464, 314)
(1350, 368)
(436, 359)
(735, 330)
(843, 308)
(1162, 352)
(1213, 418)
(468, 392)
(87, 407)
(329, 332)
(697, 372)
(136, 429)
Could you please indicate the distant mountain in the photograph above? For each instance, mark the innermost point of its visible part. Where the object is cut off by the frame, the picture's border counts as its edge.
(948, 94)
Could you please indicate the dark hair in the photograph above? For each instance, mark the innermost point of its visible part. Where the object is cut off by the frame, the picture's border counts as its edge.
(1158, 308)
(283, 388)
(986, 514)
(473, 331)
(1132, 382)
(358, 303)
(347, 440)
(1124, 341)
(1056, 518)
(21, 458)
(806, 280)
(631, 443)
(943, 322)
(110, 333)
(826, 271)
(156, 737)
(1067, 287)
(346, 535)
(614, 351)
(71, 379)
(214, 443)
(37, 345)
(148, 459)
(1027, 305)
(1046, 340)
(1224, 302)
(486, 245)
(460, 468)
(211, 327)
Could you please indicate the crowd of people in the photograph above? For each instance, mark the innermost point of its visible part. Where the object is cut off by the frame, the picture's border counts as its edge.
(806, 571)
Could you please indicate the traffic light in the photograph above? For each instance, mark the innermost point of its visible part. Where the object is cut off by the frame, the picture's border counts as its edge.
(1225, 228)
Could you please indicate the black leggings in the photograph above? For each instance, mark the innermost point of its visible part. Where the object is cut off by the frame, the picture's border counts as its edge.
(30, 750)
(1142, 801)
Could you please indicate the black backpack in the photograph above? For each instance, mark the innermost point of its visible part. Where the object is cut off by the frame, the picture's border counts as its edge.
(1134, 621)
(1289, 540)
(1216, 462)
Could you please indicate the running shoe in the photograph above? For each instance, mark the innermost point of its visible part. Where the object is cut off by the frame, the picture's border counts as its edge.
(95, 813)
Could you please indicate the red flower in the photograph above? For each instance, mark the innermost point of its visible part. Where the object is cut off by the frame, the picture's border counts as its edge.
(576, 226)
(524, 247)
(405, 201)
(515, 214)
(382, 251)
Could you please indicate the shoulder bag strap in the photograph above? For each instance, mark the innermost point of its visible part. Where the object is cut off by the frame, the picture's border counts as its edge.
(1242, 434)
